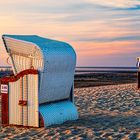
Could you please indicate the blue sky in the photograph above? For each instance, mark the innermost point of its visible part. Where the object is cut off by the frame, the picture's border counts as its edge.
(103, 33)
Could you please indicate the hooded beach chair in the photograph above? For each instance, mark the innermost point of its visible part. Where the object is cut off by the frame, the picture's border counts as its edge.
(40, 93)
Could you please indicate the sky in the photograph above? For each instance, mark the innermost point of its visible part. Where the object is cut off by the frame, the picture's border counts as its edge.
(102, 32)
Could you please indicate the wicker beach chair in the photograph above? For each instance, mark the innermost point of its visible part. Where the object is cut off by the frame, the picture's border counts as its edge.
(40, 93)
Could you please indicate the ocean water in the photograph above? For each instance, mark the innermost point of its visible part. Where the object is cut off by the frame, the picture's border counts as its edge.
(82, 70)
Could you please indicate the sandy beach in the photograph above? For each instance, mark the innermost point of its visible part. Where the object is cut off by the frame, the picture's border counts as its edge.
(105, 113)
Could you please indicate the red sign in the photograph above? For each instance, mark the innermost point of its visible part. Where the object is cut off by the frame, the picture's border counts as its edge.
(4, 88)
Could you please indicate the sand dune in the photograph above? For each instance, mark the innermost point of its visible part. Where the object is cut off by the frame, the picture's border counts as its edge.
(106, 112)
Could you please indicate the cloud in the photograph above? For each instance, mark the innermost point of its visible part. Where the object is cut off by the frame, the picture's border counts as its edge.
(117, 3)
(111, 39)
(17, 7)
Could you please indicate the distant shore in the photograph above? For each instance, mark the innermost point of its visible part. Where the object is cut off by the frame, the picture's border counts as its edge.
(100, 79)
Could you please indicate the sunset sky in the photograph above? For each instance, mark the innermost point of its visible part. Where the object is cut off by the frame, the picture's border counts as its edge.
(103, 32)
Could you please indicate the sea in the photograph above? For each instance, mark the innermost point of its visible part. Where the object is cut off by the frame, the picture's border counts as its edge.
(84, 70)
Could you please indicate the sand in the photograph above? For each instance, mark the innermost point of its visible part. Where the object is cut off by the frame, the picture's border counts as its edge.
(105, 113)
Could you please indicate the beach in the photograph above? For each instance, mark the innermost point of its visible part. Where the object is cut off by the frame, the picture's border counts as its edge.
(70, 70)
(105, 113)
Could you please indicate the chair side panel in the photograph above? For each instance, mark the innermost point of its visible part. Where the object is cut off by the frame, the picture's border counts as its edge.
(33, 114)
(14, 108)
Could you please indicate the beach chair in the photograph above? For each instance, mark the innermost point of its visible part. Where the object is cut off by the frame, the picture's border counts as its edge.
(40, 93)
